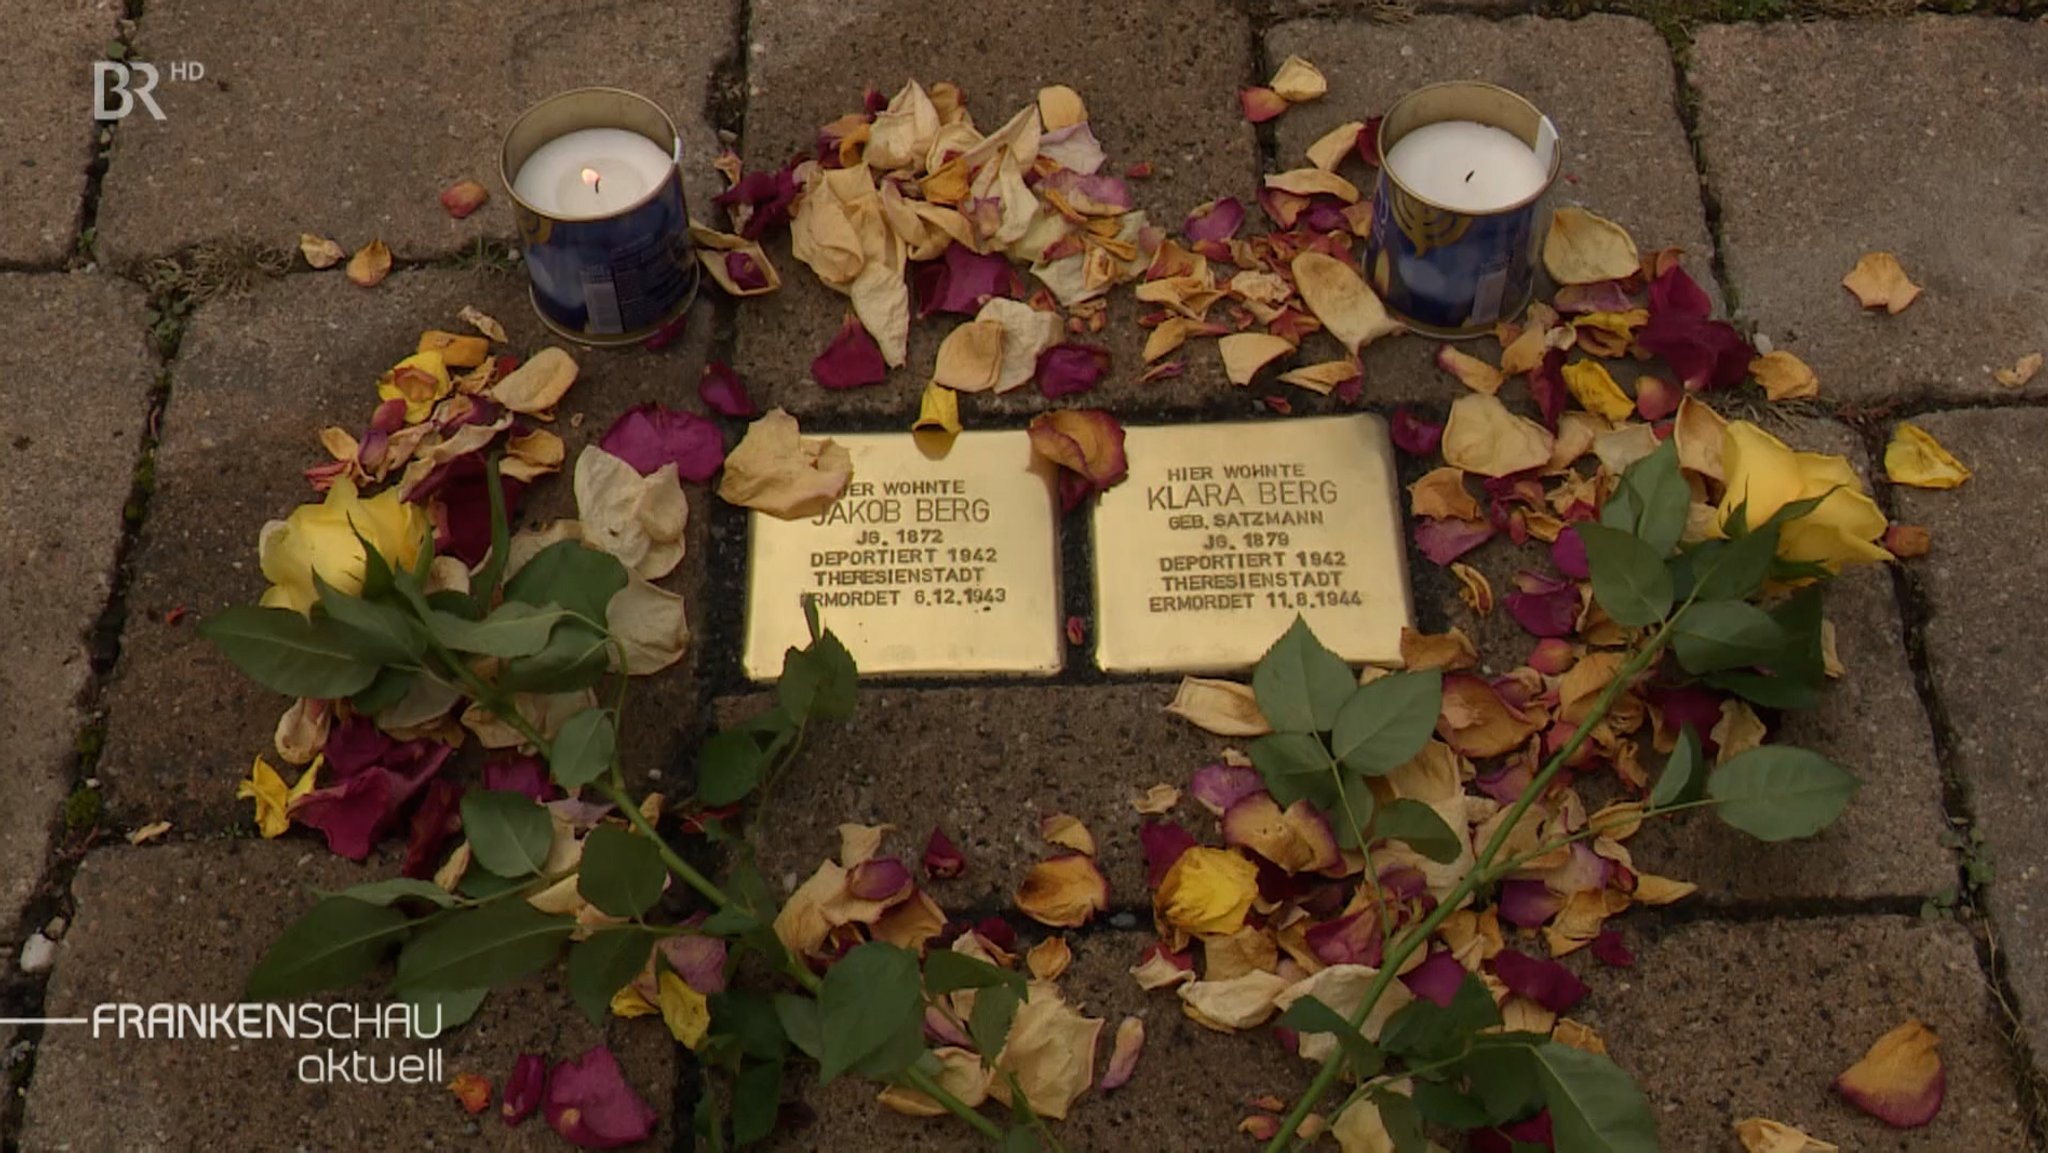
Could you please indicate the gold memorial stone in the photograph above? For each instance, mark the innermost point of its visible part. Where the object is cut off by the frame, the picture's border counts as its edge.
(1223, 532)
(925, 565)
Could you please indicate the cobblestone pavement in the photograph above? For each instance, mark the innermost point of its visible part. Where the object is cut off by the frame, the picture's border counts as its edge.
(164, 381)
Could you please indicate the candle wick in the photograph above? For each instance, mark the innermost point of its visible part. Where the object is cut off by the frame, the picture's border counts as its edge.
(1468, 176)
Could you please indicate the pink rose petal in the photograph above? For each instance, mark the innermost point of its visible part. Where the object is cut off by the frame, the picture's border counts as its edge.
(1443, 540)
(1353, 939)
(942, 858)
(457, 496)
(698, 960)
(1528, 904)
(520, 773)
(1545, 982)
(1545, 606)
(1414, 435)
(589, 1103)
(963, 280)
(1219, 219)
(1219, 786)
(1675, 294)
(1437, 978)
(721, 390)
(1123, 1057)
(1368, 143)
(879, 879)
(853, 359)
(438, 818)
(1547, 388)
(651, 435)
(1065, 369)
(1568, 553)
(523, 1089)
(745, 271)
(1163, 842)
(761, 201)
(1612, 951)
(1601, 296)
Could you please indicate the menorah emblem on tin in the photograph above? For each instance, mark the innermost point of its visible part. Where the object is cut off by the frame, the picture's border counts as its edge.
(1425, 225)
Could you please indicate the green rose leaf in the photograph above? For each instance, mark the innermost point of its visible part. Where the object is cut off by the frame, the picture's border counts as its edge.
(729, 766)
(443, 1008)
(514, 629)
(1384, 724)
(756, 1099)
(872, 1000)
(336, 943)
(750, 1019)
(621, 872)
(1594, 1106)
(819, 681)
(1300, 684)
(1309, 1015)
(1423, 1030)
(483, 588)
(1629, 577)
(1651, 501)
(488, 946)
(1681, 780)
(1419, 827)
(1503, 1079)
(1780, 793)
(1351, 808)
(603, 964)
(1715, 635)
(1289, 754)
(988, 1026)
(386, 892)
(584, 748)
(390, 687)
(287, 653)
(801, 1023)
(1440, 1104)
(574, 658)
(509, 832)
(1737, 569)
(945, 971)
(1403, 1121)
(566, 573)
(380, 633)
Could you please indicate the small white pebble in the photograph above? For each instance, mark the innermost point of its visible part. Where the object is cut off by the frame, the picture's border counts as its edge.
(37, 953)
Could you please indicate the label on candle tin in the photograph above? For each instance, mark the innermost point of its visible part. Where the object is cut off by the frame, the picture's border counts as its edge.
(617, 277)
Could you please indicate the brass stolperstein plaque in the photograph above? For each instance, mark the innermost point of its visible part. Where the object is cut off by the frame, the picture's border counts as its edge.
(925, 565)
(1223, 532)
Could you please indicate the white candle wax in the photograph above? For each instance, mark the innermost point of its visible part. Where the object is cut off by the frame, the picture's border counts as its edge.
(1465, 166)
(591, 173)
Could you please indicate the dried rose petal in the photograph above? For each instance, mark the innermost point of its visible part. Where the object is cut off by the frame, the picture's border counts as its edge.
(963, 280)
(852, 359)
(745, 272)
(1065, 892)
(319, 251)
(473, 1090)
(1673, 293)
(720, 389)
(438, 818)
(1600, 296)
(1087, 444)
(1219, 219)
(1297, 839)
(1906, 541)
(1437, 978)
(523, 1089)
(760, 201)
(1414, 435)
(1261, 104)
(651, 435)
(1900, 1081)
(1879, 281)
(462, 198)
(1545, 982)
(1163, 843)
(1443, 540)
(589, 1103)
(942, 858)
(1353, 939)
(1369, 142)
(1528, 904)
(355, 813)
(1219, 786)
(1123, 1058)
(1568, 553)
(1706, 354)
(879, 879)
(698, 960)
(1065, 369)
(1544, 607)
(370, 265)
(1612, 951)
(520, 773)
(1656, 398)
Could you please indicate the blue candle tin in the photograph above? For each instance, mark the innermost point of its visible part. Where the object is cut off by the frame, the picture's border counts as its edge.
(1446, 272)
(610, 280)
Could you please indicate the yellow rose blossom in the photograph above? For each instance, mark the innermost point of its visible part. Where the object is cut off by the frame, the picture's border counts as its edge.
(321, 538)
(1764, 475)
(420, 380)
(1208, 891)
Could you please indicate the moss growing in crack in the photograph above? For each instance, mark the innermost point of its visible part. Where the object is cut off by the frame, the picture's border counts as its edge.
(83, 810)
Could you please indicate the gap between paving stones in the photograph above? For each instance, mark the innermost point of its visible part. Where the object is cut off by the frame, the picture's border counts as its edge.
(1915, 611)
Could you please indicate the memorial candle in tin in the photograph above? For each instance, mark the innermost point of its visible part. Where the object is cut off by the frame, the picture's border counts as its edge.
(598, 192)
(1457, 216)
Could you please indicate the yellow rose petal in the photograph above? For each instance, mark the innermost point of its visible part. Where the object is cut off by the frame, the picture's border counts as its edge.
(1916, 459)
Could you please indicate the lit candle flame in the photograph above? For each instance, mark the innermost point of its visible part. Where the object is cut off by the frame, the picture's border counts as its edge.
(590, 177)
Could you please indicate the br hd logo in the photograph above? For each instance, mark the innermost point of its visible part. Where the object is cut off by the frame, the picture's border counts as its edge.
(117, 86)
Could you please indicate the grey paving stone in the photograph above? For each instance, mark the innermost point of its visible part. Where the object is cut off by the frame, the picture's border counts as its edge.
(1871, 722)
(185, 924)
(1719, 1022)
(1189, 1091)
(1815, 159)
(1174, 105)
(46, 85)
(79, 375)
(1605, 80)
(256, 379)
(1984, 636)
(349, 121)
(985, 764)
